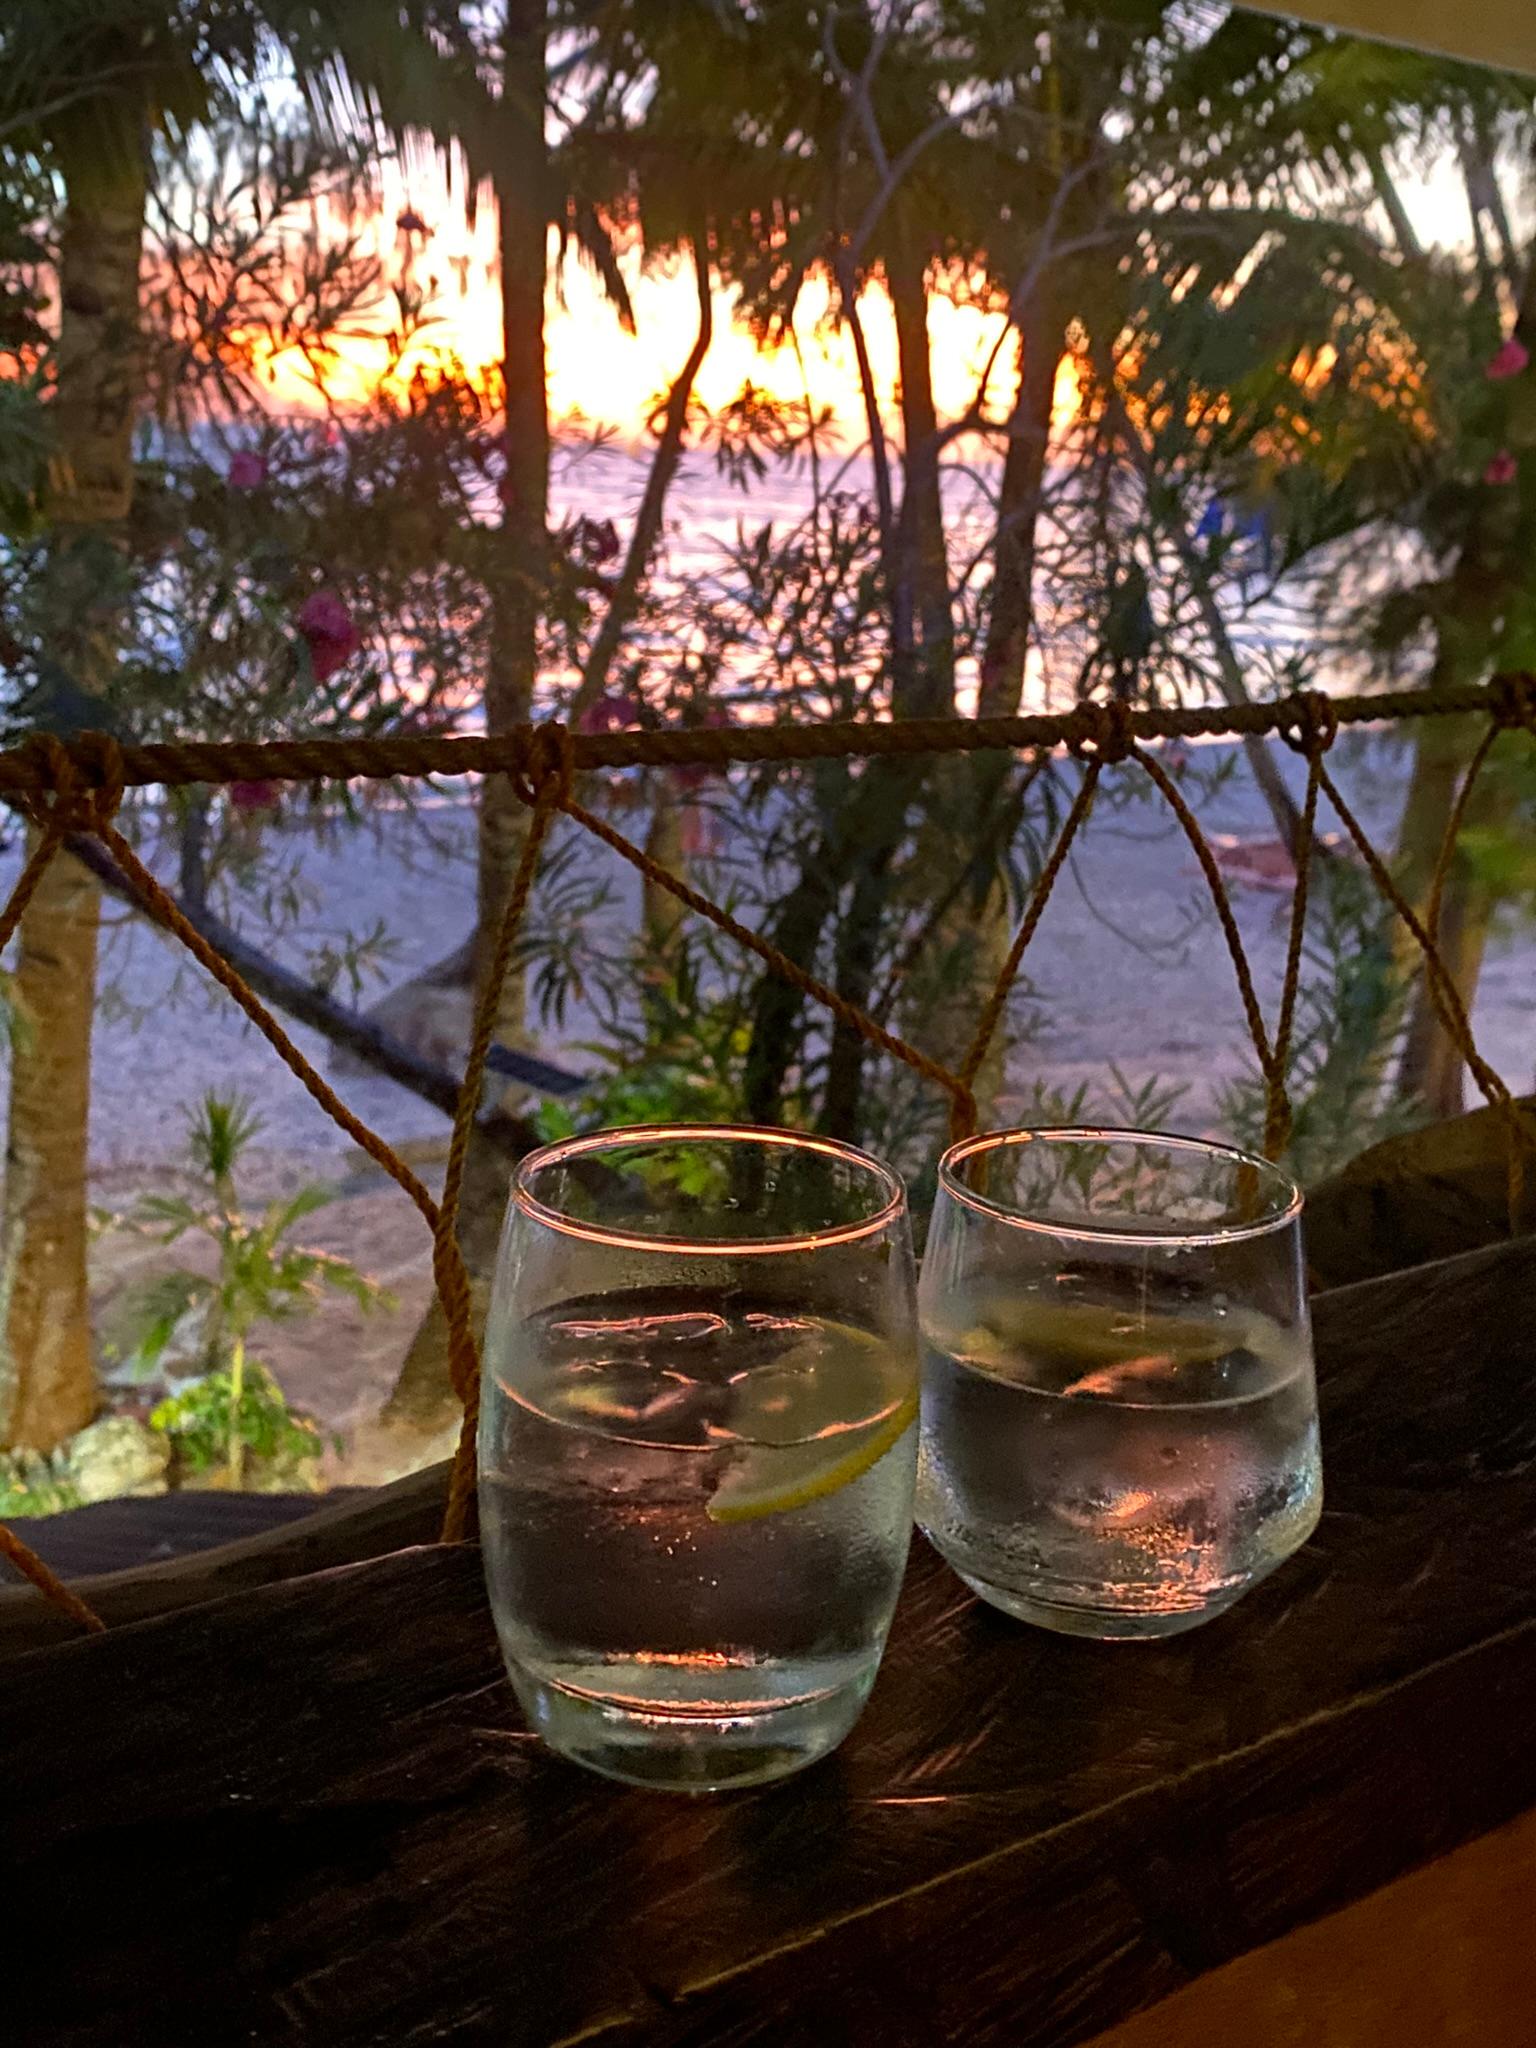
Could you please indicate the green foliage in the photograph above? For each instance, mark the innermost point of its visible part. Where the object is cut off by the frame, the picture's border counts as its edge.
(1348, 1012)
(259, 1274)
(680, 1059)
(220, 1128)
(203, 1419)
(1200, 201)
(30, 1485)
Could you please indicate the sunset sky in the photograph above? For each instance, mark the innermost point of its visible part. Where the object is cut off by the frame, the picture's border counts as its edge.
(601, 376)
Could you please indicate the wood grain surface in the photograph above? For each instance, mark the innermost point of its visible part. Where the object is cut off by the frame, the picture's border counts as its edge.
(309, 1813)
(1442, 1956)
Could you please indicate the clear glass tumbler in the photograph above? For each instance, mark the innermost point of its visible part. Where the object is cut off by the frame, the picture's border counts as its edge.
(697, 1446)
(1119, 1432)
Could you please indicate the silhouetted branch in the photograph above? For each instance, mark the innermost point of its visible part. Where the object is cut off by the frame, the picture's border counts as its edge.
(669, 448)
(378, 1048)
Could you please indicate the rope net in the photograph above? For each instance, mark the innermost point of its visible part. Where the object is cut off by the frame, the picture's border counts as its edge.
(71, 790)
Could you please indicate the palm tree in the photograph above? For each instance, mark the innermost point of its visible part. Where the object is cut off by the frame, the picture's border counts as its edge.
(81, 94)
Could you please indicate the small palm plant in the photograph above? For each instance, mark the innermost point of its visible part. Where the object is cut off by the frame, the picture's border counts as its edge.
(260, 1275)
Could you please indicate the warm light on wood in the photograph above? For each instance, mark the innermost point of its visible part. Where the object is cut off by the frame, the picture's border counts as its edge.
(1497, 32)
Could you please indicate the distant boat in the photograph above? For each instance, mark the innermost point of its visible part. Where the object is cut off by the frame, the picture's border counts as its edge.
(1263, 863)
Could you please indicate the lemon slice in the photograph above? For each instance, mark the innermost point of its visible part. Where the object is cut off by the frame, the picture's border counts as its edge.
(796, 1443)
(1097, 1334)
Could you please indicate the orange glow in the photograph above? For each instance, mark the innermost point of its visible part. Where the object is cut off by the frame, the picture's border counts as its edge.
(602, 376)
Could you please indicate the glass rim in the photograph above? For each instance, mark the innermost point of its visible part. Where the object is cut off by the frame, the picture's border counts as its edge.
(886, 1178)
(1275, 1217)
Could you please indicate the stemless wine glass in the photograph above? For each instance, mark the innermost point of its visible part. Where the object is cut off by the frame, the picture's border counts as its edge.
(697, 1446)
(1119, 1429)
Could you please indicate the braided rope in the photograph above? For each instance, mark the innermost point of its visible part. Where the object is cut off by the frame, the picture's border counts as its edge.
(47, 1581)
(546, 789)
(1443, 993)
(179, 763)
(76, 787)
(1313, 737)
(996, 1003)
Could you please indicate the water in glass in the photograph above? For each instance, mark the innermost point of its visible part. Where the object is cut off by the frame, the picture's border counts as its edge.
(696, 1499)
(1118, 1438)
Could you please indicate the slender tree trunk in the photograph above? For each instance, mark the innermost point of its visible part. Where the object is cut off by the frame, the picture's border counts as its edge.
(924, 557)
(47, 1377)
(928, 692)
(1433, 1072)
(664, 463)
(1018, 512)
(522, 198)
(1403, 231)
(423, 1399)
(1430, 1071)
(422, 1402)
(1004, 657)
(236, 1460)
(662, 914)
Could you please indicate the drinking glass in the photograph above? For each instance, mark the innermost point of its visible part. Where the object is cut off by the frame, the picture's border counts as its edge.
(697, 1446)
(1119, 1429)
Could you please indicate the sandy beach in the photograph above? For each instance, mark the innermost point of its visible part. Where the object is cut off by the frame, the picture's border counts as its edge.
(1128, 969)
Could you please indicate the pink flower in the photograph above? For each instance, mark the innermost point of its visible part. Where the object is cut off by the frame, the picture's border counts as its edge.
(614, 711)
(329, 632)
(247, 470)
(1508, 361)
(253, 796)
(410, 222)
(1502, 468)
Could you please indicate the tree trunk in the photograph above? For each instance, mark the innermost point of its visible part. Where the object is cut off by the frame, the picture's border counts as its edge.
(521, 195)
(1018, 512)
(1430, 1071)
(422, 1401)
(971, 790)
(47, 1376)
(625, 597)
(921, 532)
(892, 786)
(422, 1397)
(1003, 662)
(661, 914)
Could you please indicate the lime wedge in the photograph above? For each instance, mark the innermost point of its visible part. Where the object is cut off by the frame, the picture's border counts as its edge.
(797, 1443)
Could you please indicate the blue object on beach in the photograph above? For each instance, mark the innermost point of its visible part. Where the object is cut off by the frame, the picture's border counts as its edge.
(1256, 528)
(1213, 521)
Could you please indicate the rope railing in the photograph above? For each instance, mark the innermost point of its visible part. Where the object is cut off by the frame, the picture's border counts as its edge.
(178, 763)
(74, 788)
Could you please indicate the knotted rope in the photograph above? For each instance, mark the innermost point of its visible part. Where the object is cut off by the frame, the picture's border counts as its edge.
(76, 786)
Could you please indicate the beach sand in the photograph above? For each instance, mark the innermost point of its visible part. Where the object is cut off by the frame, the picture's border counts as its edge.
(1128, 968)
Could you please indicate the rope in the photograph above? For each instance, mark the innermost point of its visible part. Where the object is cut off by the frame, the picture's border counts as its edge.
(47, 1581)
(1102, 733)
(176, 764)
(1447, 1001)
(75, 786)
(547, 787)
(1315, 730)
(778, 963)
